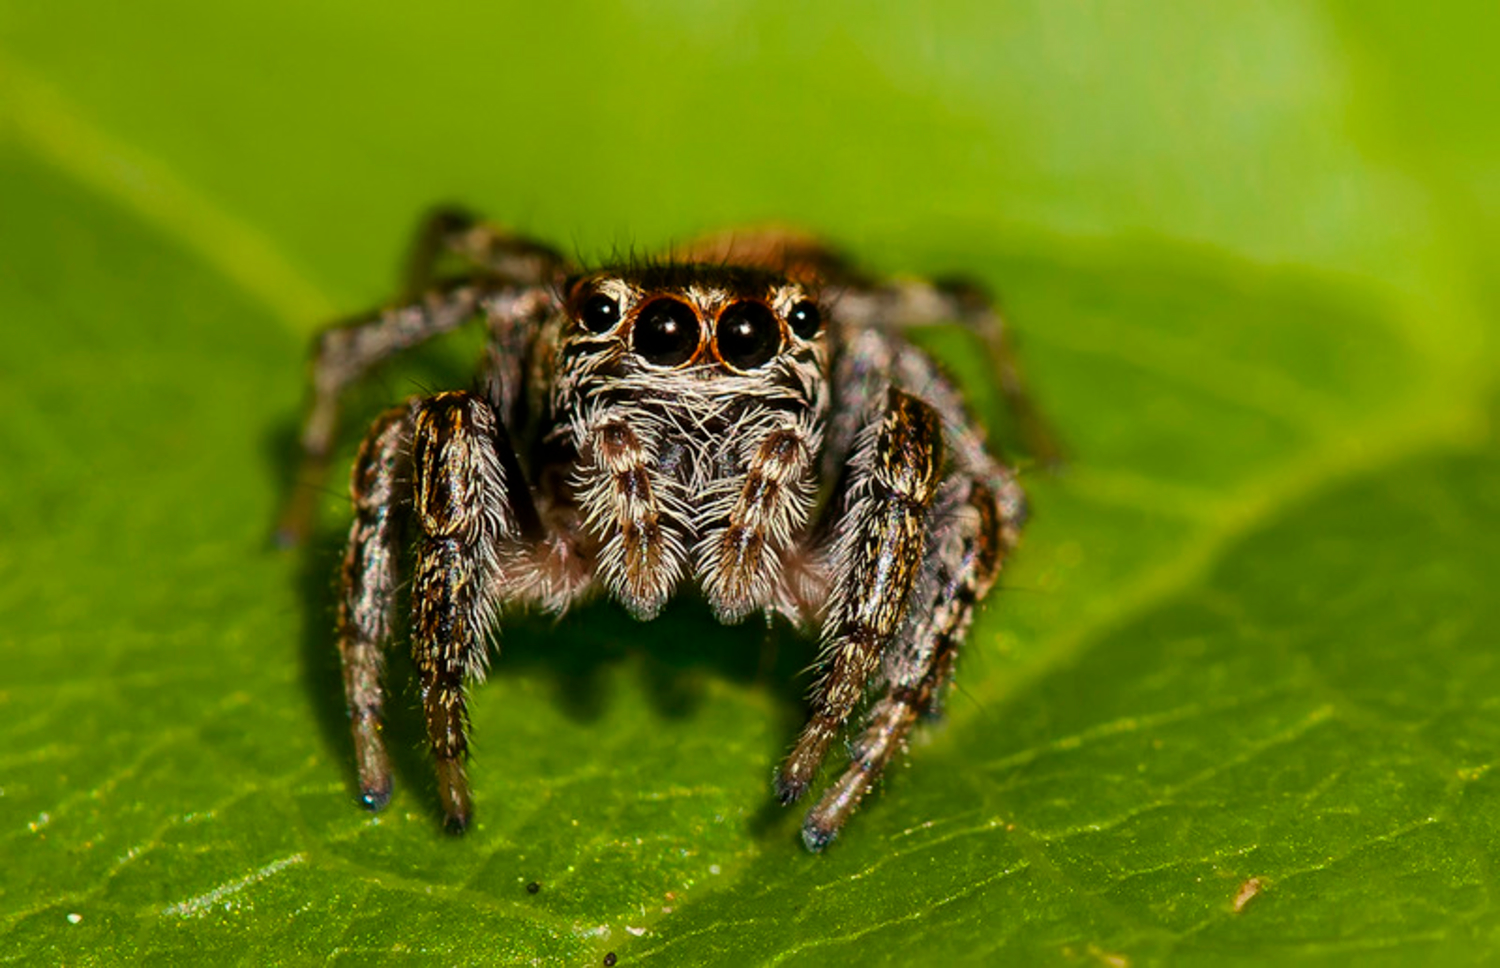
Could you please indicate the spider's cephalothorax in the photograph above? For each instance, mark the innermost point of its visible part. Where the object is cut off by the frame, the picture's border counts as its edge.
(688, 404)
(746, 417)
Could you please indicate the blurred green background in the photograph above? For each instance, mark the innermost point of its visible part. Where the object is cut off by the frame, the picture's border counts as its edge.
(1238, 697)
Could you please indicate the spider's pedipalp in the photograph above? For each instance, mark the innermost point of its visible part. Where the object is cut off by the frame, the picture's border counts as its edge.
(641, 556)
(739, 561)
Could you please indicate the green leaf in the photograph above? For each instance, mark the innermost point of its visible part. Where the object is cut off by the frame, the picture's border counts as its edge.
(1234, 702)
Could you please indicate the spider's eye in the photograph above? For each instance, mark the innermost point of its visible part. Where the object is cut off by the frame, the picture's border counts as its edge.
(805, 319)
(666, 332)
(600, 313)
(747, 336)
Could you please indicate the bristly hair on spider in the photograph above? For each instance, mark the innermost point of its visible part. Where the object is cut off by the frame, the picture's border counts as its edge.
(746, 416)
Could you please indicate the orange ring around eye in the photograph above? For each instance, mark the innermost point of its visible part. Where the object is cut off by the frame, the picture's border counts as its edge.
(747, 336)
(666, 332)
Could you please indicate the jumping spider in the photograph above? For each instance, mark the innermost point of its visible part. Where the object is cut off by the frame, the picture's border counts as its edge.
(746, 416)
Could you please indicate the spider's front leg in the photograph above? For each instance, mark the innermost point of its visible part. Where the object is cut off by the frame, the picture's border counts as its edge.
(976, 522)
(875, 560)
(469, 505)
(507, 279)
(918, 548)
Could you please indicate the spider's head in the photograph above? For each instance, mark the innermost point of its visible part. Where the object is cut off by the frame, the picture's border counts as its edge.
(711, 320)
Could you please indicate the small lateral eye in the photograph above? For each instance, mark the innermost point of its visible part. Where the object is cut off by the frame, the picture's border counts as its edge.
(747, 335)
(665, 333)
(805, 319)
(600, 313)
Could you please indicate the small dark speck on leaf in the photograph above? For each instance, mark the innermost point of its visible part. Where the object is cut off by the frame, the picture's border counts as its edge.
(609, 960)
(533, 887)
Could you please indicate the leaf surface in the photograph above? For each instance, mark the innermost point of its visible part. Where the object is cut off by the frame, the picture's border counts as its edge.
(1234, 701)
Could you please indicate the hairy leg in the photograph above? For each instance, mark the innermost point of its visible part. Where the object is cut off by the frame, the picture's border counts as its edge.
(910, 303)
(879, 549)
(895, 305)
(977, 532)
(456, 240)
(369, 580)
(509, 281)
(463, 507)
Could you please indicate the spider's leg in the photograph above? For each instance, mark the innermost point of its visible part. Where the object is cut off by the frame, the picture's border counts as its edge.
(467, 513)
(459, 269)
(979, 514)
(453, 241)
(911, 303)
(368, 583)
(345, 354)
(879, 549)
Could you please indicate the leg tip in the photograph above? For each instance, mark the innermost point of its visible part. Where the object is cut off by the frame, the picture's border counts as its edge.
(790, 789)
(374, 766)
(453, 790)
(815, 837)
(376, 796)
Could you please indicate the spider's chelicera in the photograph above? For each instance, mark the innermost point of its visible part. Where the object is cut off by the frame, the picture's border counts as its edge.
(746, 417)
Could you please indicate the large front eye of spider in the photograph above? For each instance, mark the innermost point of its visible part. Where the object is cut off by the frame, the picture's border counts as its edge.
(665, 333)
(599, 313)
(747, 336)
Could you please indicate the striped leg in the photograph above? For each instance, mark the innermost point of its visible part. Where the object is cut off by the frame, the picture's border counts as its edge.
(878, 554)
(342, 356)
(965, 555)
(507, 279)
(370, 575)
(465, 516)
(457, 240)
(914, 303)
